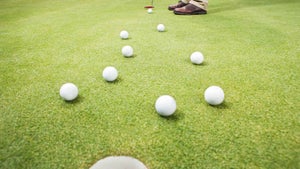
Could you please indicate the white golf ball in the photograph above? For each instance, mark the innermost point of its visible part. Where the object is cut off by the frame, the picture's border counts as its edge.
(127, 51)
(197, 58)
(160, 27)
(214, 95)
(150, 11)
(124, 34)
(110, 73)
(118, 162)
(165, 105)
(68, 91)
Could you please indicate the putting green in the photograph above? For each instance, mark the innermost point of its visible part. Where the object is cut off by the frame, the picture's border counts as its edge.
(250, 49)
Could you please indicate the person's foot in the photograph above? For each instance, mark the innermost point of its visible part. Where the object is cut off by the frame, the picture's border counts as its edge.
(189, 9)
(178, 5)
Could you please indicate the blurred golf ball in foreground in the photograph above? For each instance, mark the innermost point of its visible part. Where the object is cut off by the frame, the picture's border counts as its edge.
(127, 51)
(214, 95)
(118, 162)
(160, 27)
(124, 34)
(68, 91)
(197, 58)
(110, 73)
(150, 11)
(165, 105)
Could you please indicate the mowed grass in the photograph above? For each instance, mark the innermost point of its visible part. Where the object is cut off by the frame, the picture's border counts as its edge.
(251, 50)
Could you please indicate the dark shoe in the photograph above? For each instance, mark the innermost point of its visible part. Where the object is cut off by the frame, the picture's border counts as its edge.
(178, 5)
(189, 9)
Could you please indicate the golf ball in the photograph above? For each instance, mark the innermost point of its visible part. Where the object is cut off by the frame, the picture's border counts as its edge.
(214, 95)
(110, 73)
(150, 11)
(197, 58)
(160, 27)
(165, 105)
(119, 162)
(124, 34)
(68, 91)
(127, 51)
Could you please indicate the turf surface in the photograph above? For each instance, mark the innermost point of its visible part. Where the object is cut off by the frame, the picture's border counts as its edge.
(251, 50)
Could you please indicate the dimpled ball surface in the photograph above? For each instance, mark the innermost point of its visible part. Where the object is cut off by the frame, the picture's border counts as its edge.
(110, 73)
(197, 58)
(68, 91)
(124, 34)
(165, 105)
(127, 51)
(214, 95)
(160, 27)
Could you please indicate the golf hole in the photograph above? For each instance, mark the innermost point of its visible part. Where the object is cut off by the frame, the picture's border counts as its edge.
(118, 162)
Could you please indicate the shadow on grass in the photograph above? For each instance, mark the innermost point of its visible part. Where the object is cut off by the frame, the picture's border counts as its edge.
(126, 39)
(229, 6)
(204, 63)
(133, 56)
(117, 81)
(224, 105)
(78, 100)
(178, 115)
(165, 31)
